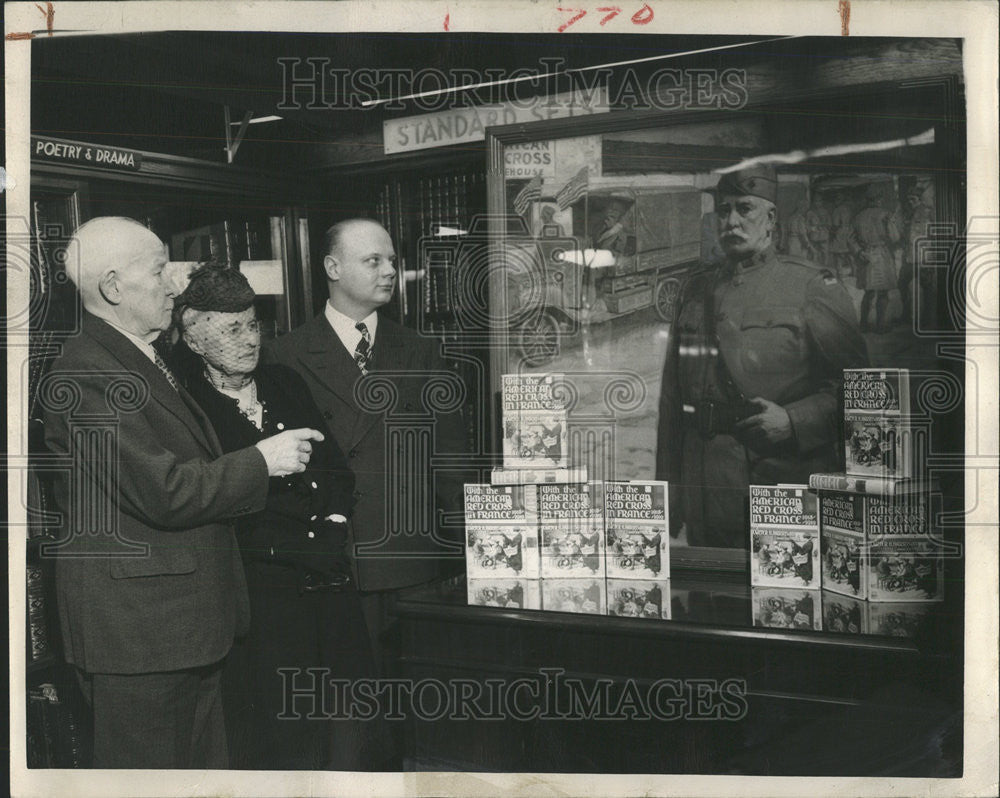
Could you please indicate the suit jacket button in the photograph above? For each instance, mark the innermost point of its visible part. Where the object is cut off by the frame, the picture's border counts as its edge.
(327, 414)
(352, 453)
(357, 494)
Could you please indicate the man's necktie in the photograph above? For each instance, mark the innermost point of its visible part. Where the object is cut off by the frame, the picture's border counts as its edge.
(363, 351)
(166, 371)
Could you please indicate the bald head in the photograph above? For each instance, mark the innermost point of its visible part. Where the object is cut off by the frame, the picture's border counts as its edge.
(360, 266)
(119, 273)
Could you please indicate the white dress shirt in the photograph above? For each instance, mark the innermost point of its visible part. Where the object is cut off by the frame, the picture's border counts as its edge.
(345, 329)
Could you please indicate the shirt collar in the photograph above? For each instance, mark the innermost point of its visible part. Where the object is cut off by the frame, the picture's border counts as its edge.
(755, 261)
(144, 346)
(345, 328)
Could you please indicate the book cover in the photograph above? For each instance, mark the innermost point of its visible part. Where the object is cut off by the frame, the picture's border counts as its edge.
(534, 421)
(586, 596)
(907, 514)
(501, 533)
(877, 423)
(898, 619)
(637, 529)
(513, 594)
(855, 525)
(905, 568)
(571, 530)
(844, 614)
(785, 608)
(843, 553)
(639, 598)
(784, 537)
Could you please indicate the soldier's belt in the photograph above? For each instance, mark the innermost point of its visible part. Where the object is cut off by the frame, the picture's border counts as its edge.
(713, 418)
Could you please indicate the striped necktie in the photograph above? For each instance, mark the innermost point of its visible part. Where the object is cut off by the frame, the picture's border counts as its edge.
(362, 353)
(166, 371)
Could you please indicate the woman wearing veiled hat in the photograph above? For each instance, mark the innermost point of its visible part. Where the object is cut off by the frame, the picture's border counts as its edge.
(305, 610)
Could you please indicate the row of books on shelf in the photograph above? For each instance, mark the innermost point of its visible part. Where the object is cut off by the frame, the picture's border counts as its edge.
(874, 548)
(38, 646)
(55, 737)
(771, 607)
(613, 529)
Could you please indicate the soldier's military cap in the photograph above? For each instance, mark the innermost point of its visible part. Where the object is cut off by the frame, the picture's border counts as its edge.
(755, 181)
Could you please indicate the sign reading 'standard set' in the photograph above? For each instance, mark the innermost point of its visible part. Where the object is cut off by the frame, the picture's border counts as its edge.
(464, 125)
(85, 154)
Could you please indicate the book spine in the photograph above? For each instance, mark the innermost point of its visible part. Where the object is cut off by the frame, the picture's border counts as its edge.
(537, 476)
(874, 486)
(37, 748)
(50, 751)
(38, 637)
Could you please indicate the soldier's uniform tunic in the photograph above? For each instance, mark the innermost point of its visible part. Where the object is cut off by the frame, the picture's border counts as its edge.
(785, 329)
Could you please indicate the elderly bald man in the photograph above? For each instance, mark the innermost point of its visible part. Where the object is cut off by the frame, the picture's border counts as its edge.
(149, 583)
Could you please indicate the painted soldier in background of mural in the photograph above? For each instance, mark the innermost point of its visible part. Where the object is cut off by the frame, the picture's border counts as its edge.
(921, 210)
(818, 230)
(872, 234)
(840, 234)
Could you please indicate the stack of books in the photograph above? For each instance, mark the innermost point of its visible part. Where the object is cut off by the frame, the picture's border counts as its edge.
(571, 539)
(784, 557)
(882, 563)
(637, 530)
(501, 552)
(541, 536)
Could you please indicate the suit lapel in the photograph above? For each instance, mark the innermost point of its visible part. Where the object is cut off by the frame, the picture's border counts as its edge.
(178, 402)
(328, 360)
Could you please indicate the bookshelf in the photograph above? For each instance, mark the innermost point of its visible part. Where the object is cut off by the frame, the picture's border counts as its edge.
(56, 716)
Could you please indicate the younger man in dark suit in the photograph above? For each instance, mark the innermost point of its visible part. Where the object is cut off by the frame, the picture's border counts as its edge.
(395, 532)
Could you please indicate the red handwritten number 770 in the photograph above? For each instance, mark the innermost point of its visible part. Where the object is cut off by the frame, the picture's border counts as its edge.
(641, 17)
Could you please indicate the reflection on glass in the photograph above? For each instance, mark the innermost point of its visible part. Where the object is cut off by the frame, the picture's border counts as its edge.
(587, 596)
(898, 619)
(843, 614)
(725, 605)
(613, 255)
(785, 608)
(514, 594)
(639, 598)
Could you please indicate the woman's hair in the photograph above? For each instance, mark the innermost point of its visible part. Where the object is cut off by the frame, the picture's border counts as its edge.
(214, 287)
